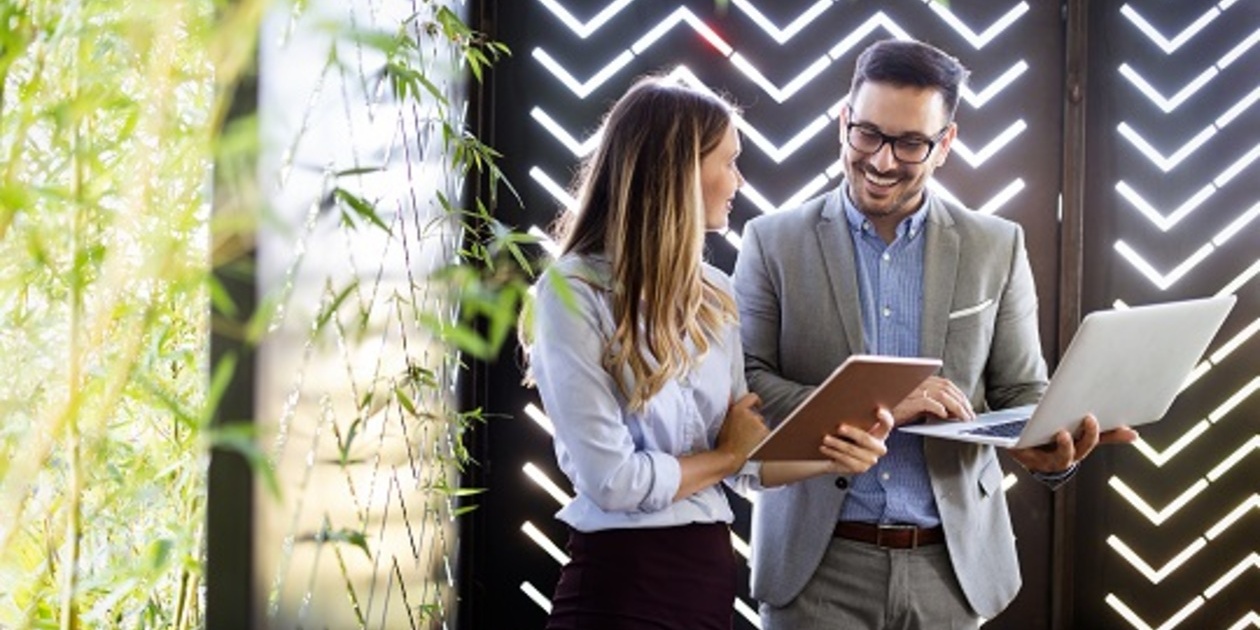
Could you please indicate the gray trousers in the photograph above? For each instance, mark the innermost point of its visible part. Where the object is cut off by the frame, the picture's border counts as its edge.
(863, 586)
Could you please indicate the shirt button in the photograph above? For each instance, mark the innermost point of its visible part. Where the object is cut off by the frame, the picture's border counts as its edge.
(887, 311)
(842, 483)
(886, 257)
(885, 476)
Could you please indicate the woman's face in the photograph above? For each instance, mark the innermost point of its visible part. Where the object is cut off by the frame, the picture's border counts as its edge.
(719, 179)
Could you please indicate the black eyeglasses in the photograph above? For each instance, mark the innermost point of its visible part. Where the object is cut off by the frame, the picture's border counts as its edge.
(909, 149)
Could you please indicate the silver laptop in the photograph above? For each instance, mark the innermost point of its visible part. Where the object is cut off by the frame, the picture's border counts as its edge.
(1125, 366)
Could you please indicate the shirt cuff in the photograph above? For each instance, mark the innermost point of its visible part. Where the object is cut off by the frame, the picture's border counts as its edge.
(666, 478)
(1056, 479)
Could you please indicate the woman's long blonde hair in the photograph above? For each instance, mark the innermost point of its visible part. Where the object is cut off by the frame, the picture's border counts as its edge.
(640, 205)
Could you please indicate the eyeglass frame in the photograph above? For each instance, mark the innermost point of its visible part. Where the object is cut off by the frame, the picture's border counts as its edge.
(891, 141)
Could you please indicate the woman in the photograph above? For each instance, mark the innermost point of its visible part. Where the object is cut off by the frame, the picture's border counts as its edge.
(637, 358)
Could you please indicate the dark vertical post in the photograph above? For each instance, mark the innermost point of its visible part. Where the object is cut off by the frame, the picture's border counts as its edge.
(474, 380)
(230, 501)
(1071, 262)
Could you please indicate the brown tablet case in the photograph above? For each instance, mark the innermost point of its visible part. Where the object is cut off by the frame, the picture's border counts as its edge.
(850, 395)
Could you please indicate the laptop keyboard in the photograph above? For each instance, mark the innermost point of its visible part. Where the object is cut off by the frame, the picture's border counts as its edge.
(1011, 428)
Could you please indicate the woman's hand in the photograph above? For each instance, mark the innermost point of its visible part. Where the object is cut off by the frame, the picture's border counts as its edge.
(851, 450)
(742, 430)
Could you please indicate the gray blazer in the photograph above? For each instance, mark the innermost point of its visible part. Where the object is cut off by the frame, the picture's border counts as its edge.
(796, 285)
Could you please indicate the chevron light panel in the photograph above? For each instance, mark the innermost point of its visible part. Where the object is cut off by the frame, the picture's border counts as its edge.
(1164, 149)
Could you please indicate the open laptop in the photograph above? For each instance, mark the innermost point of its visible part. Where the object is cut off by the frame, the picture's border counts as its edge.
(1125, 366)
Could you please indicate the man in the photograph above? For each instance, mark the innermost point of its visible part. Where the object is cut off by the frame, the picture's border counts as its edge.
(882, 266)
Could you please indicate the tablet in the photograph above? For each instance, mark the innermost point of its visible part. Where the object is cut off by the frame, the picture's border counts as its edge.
(850, 395)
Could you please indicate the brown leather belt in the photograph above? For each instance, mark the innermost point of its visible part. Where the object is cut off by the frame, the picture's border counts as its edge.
(890, 536)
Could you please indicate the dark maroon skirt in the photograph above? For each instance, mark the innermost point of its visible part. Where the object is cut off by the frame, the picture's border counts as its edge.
(667, 578)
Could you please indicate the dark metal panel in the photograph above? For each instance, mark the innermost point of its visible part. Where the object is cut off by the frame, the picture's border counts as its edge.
(1165, 532)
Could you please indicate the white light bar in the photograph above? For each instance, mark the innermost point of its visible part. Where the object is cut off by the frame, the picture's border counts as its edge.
(1165, 44)
(1166, 104)
(779, 35)
(580, 88)
(1172, 622)
(1156, 517)
(1162, 281)
(540, 418)
(578, 149)
(1155, 576)
(1165, 163)
(977, 41)
(1163, 222)
(1161, 458)
(997, 144)
(977, 100)
(544, 543)
(584, 30)
(557, 191)
(857, 35)
(537, 597)
(539, 477)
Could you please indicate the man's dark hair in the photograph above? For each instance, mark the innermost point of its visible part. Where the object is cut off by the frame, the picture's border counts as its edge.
(909, 63)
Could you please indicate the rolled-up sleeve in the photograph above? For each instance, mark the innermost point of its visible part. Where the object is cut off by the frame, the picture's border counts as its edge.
(593, 442)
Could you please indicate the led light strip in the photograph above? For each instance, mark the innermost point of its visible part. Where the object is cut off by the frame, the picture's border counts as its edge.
(1165, 163)
(1230, 576)
(992, 205)
(584, 30)
(1169, 104)
(1155, 576)
(1142, 506)
(1168, 46)
(978, 100)
(1163, 222)
(977, 158)
(1172, 622)
(1158, 517)
(747, 613)
(683, 15)
(781, 36)
(1163, 281)
(1201, 427)
(1168, 163)
(536, 596)
(977, 41)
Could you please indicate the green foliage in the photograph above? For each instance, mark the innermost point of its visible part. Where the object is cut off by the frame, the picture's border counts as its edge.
(112, 114)
(106, 120)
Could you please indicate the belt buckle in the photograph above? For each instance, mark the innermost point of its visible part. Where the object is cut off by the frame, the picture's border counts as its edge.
(914, 534)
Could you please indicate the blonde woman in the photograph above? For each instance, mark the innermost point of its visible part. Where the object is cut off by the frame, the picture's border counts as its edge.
(636, 354)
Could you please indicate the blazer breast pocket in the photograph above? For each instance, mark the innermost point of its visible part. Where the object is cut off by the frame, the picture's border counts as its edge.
(973, 315)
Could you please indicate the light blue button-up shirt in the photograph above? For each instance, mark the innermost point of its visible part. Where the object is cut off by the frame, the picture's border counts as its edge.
(890, 282)
(623, 464)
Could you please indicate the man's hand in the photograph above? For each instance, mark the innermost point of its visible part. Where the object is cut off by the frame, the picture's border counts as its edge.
(1063, 452)
(936, 397)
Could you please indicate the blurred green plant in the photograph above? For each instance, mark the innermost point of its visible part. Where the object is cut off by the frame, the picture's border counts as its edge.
(111, 115)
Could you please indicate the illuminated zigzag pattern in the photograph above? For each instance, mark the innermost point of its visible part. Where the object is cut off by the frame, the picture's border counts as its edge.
(816, 129)
(1209, 221)
(594, 51)
(1164, 242)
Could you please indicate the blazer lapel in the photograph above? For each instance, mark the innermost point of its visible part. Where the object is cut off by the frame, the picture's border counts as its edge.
(841, 267)
(940, 270)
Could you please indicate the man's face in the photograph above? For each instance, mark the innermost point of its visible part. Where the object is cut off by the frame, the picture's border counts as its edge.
(880, 185)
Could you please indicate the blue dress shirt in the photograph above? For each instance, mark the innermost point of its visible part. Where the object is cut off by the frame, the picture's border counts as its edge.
(890, 281)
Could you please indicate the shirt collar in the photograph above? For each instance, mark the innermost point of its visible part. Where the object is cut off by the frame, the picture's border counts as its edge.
(911, 226)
